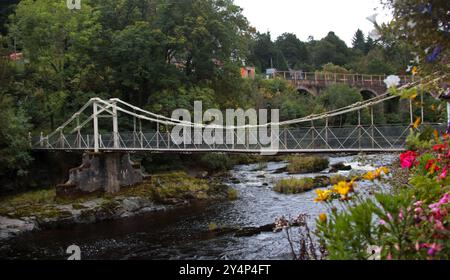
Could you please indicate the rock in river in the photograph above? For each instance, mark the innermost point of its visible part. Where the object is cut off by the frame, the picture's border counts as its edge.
(340, 166)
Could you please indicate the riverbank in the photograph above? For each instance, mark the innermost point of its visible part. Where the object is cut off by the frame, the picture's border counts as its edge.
(210, 229)
(43, 209)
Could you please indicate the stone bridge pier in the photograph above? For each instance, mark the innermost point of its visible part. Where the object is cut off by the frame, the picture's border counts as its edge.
(106, 172)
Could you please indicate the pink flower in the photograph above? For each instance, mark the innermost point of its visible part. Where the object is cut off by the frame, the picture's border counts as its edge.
(443, 174)
(400, 215)
(390, 217)
(445, 199)
(438, 214)
(389, 256)
(432, 248)
(383, 222)
(439, 226)
(418, 203)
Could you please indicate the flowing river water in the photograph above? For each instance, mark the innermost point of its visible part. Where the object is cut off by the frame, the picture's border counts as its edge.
(183, 233)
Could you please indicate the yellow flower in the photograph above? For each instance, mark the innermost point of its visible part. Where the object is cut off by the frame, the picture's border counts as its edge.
(380, 171)
(417, 123)
(371, 176)
(414, 70)
(343, 188)
(385, 170)
(323, 217)
(322, 195)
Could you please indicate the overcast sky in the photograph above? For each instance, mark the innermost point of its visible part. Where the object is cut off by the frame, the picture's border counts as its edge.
(312, 17)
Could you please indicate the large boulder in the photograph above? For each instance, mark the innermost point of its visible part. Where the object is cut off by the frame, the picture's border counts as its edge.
(340, 166)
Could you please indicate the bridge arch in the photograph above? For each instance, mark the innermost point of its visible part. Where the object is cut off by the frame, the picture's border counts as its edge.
(368, 93)
(306, 91)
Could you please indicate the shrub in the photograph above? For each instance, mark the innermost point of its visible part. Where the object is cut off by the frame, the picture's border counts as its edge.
(294, 185)
(412, 222)
(216, 162)
(416, 141)
(307, 164)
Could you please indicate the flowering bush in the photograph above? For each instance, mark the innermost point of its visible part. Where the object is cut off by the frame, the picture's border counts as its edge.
(412, 222)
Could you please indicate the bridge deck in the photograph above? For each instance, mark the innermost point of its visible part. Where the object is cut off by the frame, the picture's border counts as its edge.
(388, 138)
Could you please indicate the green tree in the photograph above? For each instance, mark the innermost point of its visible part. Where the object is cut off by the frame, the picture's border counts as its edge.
(359, 41)
(6, 8)
(166, 101)
(424, 25)
(375, 62)
(14, 142)
(370, 45)
(143, 70)
(294, 51)
(330, 49)
(331, 68)
(203, 35)
(264, 54)
(339, 96)
(51, 36)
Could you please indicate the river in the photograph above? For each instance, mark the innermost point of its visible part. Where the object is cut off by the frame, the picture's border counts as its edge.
(184, 233)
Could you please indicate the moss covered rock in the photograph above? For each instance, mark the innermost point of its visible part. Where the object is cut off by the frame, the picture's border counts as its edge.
(294, 185)
(306, 164)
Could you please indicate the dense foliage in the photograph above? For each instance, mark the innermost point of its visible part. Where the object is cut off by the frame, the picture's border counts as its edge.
(410, 223)
(160, 55)
(365, 56)
(424, 27)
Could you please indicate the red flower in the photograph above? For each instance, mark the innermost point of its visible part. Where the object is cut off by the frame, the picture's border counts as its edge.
(440, 147)
(408, 159)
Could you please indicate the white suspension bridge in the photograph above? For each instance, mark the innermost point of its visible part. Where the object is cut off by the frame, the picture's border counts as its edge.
(117, 126)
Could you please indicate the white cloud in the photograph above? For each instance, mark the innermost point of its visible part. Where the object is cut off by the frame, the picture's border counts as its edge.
(313, 17)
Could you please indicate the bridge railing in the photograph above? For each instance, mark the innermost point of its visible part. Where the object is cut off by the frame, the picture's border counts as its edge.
(300, 77)
(306, 139)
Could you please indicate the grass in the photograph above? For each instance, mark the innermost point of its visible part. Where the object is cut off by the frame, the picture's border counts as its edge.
(45, 196)
(172, 185)
(294, 185)
(307, 164)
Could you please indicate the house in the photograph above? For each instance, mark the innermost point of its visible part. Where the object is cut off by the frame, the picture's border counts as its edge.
(248, 72)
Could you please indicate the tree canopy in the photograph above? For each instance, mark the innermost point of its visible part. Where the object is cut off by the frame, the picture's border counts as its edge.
(163, 54)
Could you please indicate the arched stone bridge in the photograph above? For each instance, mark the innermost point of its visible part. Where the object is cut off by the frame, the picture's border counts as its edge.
(315, 82)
